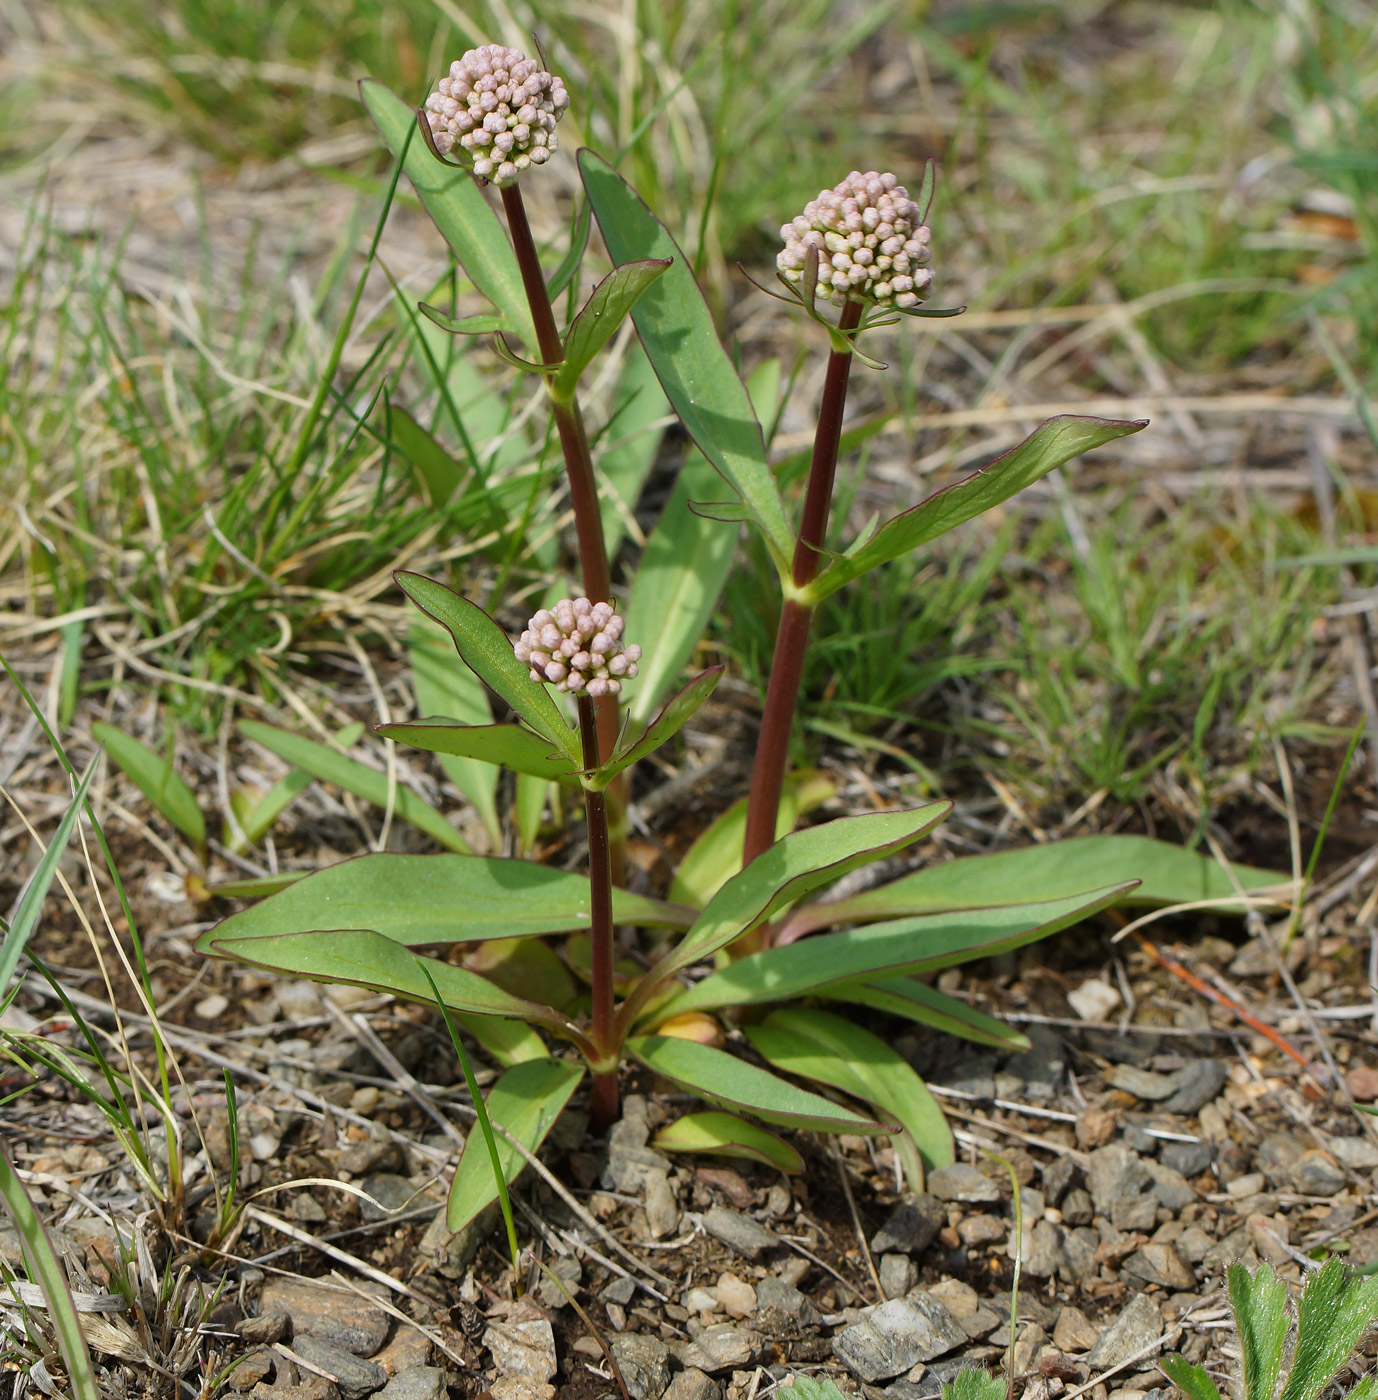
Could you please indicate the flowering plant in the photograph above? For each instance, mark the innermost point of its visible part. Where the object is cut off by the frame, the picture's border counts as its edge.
(736, 929)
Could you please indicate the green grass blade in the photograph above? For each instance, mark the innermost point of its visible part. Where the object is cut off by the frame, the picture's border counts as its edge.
(46, 1269)
(353, 776)
(1054, 443)
(679, 338)
(726, 1135)
(818, 1045)
(36, 891)
(454, 201)
(722, 1078)
(157, 779)
(524, 1102)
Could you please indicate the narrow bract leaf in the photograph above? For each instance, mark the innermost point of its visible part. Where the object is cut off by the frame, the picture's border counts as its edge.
(1166, 874)
(716, 855)
(482, 324)
(25, 918)
(454, 201)
(1057, 441)
(920, 944)
(903, 996)
(818, 1045)
(723, 1078)
(676, 329)
(1260, 1310)
(355, 777)
(420, 899)
(487, 650)
(156, 778)
(507, 745)
(600, 318)
(725, 512)
(794, 865)
(443, 685)
(726, 1135)
(524, 1103)
(678, 711)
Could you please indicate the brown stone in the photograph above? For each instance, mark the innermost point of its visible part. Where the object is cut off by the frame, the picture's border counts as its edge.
(335, 1315)
(1362, 1083)
(1095, 1127)
(1074, 1331)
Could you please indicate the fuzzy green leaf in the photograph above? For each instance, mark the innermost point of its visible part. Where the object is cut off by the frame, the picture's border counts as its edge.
(156, 778)
(975, 1385)
(1049, 446)
(903, 996)
(905, 946)
(525, 1102)
(599, 319)
(1166, 874)
(794, 865)
(722, 1078)
(487, 650)
(679, 709)
(454, 201)
(1193, 1381)
(716, 855)
(1260, 1311)
(1337, 1308)
(415, 900)
(818, 1045)
(726, 1135)
(676, 329)
(355, 777)
(506, 745)
(445, 686)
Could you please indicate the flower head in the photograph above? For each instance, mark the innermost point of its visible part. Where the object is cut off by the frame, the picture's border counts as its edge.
(499, 106)
(578, 646)
(871, 239)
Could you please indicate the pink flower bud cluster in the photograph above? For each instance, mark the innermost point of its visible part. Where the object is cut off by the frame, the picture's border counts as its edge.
(871, 240)
(578, 645)
(501, 107)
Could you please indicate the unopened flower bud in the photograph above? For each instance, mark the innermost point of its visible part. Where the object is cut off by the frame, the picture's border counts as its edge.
(577, 647)
(496, 100)
(863, 228)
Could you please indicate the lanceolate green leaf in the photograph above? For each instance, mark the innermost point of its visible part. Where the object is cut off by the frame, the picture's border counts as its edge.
(355, 777)
(818, 1045)
(726, 1135)
(716, 855)
(677, 331)
(1049, 446)
(445, 686)
(598, 321)
(678, 583)
(487, 650)
(723, 1078)
(416, 900)
(1193, 1381)
(454, 201)
(156, 778)
(794, 865)
(678, 711)
(1167, 874)
(25, 918)
(364, 958)
(508, 1042)
(920, 944)
(903, 996)
(437, 471)
(523, 1104)
(629, 448)
(1260, 1310)
(507, 745)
